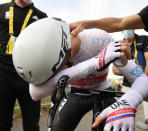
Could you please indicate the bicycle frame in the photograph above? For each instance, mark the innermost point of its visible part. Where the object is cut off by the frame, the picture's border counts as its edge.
(98, 105)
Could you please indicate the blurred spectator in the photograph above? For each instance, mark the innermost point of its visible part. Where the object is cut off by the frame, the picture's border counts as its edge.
(14, 17)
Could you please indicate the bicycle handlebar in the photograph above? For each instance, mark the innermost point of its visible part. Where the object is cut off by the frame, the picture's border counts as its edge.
(106, 93)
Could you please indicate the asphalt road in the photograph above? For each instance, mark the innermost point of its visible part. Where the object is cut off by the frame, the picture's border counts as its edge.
(84, 125)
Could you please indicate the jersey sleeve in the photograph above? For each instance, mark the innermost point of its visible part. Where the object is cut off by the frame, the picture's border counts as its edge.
(131, 71)
(75, 73)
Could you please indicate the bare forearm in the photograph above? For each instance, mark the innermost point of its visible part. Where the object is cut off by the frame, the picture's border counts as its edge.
(113, 24)
(108, 24)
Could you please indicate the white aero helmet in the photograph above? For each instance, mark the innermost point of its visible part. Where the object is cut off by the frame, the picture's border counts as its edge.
(41, 49)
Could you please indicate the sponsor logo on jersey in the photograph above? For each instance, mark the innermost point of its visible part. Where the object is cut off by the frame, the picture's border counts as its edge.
(136, 71)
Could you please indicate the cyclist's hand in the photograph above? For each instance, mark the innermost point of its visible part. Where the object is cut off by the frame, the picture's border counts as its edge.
(121, 114)
(123, 119)
(111, 52)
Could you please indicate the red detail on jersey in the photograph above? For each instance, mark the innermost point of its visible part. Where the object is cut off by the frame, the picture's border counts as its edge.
(83, 82)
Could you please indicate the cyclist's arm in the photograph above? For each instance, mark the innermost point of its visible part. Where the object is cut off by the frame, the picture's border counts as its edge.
(77, 72)
(121, 114)
(131, 71)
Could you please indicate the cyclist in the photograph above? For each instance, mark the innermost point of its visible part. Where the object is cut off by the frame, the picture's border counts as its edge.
(93, 40)
(38, 77)
(87, 45)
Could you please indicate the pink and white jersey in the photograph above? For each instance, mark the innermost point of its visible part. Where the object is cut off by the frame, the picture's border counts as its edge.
(92, 42)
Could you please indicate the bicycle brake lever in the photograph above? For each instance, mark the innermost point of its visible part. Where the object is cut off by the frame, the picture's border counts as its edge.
(57, 97)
